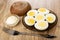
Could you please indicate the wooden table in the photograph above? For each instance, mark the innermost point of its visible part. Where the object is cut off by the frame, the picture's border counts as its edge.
(53, 5)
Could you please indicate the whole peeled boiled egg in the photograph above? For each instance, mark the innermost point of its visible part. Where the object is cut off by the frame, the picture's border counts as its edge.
(12, 20)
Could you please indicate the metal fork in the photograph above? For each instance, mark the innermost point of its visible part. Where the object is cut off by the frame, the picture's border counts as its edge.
(14, 32)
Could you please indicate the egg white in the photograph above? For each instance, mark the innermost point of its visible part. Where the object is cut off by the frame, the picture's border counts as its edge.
(51, 15)
(35, 12)
(26, 19)
(41, 28)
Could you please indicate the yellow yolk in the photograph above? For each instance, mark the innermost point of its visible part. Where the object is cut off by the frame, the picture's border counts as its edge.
(31, 13)
(50, 18)
(42, 10)
(31, 21)
(39, 17)
(42, 24)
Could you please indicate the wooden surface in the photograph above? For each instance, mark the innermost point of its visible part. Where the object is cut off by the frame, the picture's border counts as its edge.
(53, 5)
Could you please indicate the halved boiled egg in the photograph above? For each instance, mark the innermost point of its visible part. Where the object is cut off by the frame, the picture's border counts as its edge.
(29, 20)
(43, 10)
(41, 25)
(50, 18)
(39, 17)
(32, 13)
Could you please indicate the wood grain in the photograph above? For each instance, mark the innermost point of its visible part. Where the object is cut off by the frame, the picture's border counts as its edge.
(53, 5)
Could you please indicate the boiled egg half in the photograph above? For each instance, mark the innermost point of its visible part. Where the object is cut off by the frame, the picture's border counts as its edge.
(50, 18)
(43, 10)
(29, 20)
(41, 25)
(39, 17)
(32, 13)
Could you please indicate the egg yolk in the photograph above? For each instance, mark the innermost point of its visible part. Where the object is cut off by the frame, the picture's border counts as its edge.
(31, 13)
(50, 18)
(42, 24)
(39, 17)
(31, 21)
(42, 10)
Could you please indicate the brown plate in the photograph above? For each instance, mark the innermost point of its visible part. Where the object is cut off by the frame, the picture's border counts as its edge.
(34, 29)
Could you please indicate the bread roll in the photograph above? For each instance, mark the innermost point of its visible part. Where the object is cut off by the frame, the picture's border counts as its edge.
(20, 8)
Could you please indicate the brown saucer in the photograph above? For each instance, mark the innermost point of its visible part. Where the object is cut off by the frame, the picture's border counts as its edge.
(34, 29)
